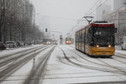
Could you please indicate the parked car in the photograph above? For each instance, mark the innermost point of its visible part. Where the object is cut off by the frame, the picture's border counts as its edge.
(10, 44)
(123, 45)
(2, 46)
(20, 43)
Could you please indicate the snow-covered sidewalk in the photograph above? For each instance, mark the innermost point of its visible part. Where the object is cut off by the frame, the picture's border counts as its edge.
(121, 52)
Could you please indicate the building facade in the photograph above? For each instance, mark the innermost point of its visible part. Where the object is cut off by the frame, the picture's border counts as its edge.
(118, 4)
(119, 18)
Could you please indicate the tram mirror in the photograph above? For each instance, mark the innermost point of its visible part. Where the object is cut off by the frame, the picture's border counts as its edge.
(115, 30)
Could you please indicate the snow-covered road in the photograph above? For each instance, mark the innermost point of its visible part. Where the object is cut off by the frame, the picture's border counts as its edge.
(68, 66)
(78, 68)
(16, 67)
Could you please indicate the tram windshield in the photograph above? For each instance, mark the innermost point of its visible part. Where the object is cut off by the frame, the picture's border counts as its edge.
(103, 36)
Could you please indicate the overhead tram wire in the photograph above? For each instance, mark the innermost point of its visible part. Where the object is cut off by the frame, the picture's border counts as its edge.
(97, 7)
(92, 7)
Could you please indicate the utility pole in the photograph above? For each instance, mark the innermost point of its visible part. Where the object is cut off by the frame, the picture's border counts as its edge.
(61, 39)
(2, 21)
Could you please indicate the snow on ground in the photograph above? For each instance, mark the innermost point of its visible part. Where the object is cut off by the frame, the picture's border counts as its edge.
(121, 51)
(20, 75)
(59, 71)
(118, 50)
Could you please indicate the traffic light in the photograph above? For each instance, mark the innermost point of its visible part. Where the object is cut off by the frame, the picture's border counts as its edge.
(46, 30)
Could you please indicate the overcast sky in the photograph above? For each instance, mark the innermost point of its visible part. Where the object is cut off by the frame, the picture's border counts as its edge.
(61, 15)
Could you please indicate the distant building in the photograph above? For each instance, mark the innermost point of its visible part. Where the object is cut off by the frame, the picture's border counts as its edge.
(119, 18)
(118, 4)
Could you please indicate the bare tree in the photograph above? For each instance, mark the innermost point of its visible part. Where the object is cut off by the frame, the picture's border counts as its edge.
(16, 21)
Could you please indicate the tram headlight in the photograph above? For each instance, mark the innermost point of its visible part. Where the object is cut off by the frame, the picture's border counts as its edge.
(97, 46)
(67, 41)
(109, 46)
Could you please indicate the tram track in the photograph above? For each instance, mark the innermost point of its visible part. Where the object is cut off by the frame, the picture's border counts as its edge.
(86, 59)
(93, 67)
(114, 67)
(81, 65)
(120, 55)
(120, 61)
(19, 63)
(10, 59)
(103, 62)
(36, 74)
(16, 55)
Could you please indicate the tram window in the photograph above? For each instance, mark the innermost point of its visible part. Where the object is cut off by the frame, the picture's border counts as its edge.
(76, 39)
(86, 38)
(103, 31)
(103, 36)
(81, 37)
(89, 37)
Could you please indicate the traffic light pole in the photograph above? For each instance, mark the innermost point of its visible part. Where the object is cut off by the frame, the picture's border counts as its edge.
(46, 30)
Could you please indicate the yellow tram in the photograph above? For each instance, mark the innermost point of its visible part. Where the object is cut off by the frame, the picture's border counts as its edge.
(96, 39)
(69, 40)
